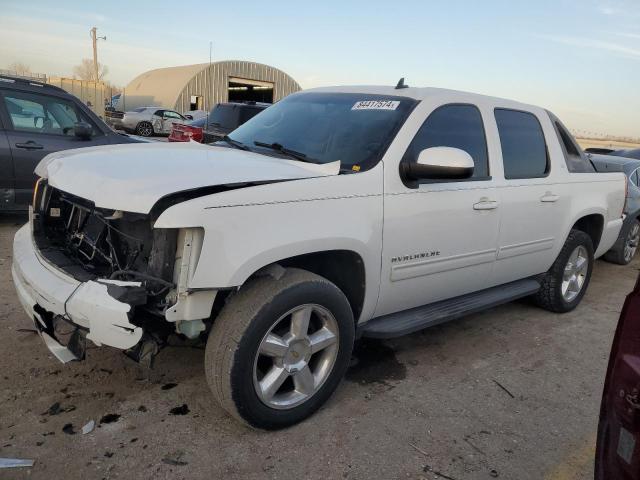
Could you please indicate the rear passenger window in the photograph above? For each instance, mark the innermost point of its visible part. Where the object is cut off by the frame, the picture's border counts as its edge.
(524, 151)
(457, 126)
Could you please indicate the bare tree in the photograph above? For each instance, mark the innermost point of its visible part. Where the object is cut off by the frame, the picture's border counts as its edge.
(20, 69)
(85, 70)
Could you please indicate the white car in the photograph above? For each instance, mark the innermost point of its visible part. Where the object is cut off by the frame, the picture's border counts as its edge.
(334, 214)
(149, 121)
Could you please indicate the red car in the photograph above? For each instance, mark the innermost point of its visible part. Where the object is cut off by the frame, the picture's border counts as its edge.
(618, 448)
(223, 119)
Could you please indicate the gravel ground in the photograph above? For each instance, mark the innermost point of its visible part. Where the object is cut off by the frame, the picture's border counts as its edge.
(511, 393)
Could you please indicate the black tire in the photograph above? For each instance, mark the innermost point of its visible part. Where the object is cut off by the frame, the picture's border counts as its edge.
(144, 129)
(235, 337)
(617, 252)
(550, 295)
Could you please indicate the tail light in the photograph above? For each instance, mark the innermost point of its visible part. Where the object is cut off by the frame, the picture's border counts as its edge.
(185, 133)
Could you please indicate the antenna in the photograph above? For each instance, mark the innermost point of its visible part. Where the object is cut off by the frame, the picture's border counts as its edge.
(401, 84)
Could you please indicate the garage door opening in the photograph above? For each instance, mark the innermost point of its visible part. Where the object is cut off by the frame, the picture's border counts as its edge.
(244, 90)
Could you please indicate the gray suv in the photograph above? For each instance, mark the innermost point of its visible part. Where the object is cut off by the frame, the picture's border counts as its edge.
(37, 119)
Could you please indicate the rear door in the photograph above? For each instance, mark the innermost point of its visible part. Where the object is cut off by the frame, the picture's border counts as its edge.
(531, 199)
(39, 124)
(618, 449)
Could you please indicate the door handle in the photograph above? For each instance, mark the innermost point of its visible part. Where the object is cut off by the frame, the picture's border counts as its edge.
(485, 204)
(30, 145)
(549, 198)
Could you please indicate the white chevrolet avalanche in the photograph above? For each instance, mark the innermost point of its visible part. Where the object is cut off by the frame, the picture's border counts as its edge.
(334, 214)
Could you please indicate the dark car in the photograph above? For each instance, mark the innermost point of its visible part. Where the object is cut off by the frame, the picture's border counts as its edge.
(624, 152)
(618, 445)
(223, 119)
(626, 246)
(37, 119)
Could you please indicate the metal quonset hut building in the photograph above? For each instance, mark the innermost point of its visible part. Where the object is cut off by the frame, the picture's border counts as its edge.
(201, 86)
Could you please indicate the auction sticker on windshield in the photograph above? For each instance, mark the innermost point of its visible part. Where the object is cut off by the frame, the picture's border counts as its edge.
(376, 105)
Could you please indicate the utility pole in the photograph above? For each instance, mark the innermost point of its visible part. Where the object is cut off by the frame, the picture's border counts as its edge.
(94, 38)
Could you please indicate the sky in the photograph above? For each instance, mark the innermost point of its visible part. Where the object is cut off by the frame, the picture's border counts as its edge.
(578, 58)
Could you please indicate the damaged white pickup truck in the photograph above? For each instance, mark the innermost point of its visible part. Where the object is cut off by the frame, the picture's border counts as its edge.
(334, 214)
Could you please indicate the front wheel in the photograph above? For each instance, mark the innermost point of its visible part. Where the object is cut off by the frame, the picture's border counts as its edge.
(565, 283)
(279, 348)
(144, 129)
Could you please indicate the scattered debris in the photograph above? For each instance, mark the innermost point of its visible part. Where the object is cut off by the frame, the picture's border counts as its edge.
(493, 473)
(26, 330)
(134, 440)
(169, 386)
(427, 468)
(46, 434)
(68, 429)
(418, 449)
(504, 388)
(15, 463)
(174, 458)
(470, 443)
(109, 418)
(142, 408)
(181, 410)
(39, 443)
(56, 408)
(108, 454)
(89, 426)
(106, 370)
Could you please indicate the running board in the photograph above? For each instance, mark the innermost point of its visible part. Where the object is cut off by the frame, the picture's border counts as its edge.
(409, 321)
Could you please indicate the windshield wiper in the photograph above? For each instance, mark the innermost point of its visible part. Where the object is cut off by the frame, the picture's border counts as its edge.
(235, 143)
(279, 148)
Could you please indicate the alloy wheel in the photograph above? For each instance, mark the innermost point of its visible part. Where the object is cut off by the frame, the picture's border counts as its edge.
(631, 242)
(575, 273)
(296, 356)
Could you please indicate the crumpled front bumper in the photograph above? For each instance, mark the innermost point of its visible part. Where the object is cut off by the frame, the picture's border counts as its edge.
(47, 293)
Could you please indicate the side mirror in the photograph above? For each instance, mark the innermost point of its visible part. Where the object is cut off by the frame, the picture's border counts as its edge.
(82, 130)
(445, 163)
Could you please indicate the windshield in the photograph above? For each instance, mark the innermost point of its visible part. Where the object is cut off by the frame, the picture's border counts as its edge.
(353, 128)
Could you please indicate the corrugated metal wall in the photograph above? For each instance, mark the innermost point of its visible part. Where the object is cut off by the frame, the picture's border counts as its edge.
(211, 83)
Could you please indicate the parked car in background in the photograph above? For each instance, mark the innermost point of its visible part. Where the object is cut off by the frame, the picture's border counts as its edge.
(618, 443)
(626, 246)
(37, 119)
(146, 121)
(623, 152)
(223, 119)
(335, 214)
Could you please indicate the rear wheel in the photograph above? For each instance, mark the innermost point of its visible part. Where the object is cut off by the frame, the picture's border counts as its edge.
(279, 348)
(627, 245)
(144, 129)
(564, 285)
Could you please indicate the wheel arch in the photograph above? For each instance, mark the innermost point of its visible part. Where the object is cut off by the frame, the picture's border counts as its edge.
(344, 268)
(593, 225)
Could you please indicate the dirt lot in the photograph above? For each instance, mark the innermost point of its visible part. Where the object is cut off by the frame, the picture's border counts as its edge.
(511, 393)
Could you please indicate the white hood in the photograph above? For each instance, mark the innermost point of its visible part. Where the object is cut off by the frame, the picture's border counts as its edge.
(133, 177)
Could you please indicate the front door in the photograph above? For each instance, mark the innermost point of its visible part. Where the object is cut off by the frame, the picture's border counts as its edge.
(168, 119)
(440, 238)
(39, 124)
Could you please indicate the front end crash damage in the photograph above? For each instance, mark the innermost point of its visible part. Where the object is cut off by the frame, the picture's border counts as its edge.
(85, 273)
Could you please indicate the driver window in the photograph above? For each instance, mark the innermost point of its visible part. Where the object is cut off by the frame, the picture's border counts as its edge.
(170, 114)
(41, 114)
(458, 126)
